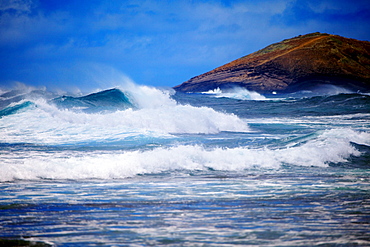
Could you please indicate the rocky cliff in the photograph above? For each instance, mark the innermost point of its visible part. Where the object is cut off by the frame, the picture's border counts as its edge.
(299, 63)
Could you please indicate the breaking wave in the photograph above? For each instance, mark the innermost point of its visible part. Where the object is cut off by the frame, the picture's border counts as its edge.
(331, 146)
(109, 115)
(236, 93)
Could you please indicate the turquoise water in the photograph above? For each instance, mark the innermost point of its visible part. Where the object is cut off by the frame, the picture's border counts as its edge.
(157, 168)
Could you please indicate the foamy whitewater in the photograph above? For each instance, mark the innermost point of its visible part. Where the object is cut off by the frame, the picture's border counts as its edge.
(137, 166)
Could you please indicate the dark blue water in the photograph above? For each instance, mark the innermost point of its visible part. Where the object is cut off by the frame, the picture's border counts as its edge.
(145, 167)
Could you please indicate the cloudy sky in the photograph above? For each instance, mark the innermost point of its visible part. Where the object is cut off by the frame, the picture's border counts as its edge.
(97, 43)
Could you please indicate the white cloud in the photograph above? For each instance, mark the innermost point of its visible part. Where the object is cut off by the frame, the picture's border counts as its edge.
(17, 5)
(16, 29)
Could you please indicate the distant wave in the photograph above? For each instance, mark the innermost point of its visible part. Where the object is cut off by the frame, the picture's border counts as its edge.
(235, 93)
(244, 94)
(322, 90)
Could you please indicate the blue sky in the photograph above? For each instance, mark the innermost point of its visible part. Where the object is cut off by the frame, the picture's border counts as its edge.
(91, 44)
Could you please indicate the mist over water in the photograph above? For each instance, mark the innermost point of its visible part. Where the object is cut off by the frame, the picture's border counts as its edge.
(155, 166)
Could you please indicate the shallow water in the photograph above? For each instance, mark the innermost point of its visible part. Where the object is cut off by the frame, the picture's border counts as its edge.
(285, 207)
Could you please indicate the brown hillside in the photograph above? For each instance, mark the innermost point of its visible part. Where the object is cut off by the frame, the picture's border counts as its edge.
(293, 64)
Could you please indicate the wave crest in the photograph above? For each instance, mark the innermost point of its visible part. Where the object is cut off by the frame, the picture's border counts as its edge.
(147, 111)
(331, 146)
(236, 93)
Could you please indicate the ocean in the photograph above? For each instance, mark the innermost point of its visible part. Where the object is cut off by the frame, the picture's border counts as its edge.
(142, 166)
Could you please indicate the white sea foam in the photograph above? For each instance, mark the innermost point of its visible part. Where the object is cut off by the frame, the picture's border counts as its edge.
(236, 93)
(330, 146)
(158, 114)
(148, 97)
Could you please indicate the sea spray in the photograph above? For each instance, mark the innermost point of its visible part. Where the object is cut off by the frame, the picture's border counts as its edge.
(148, 97)
(236, 93)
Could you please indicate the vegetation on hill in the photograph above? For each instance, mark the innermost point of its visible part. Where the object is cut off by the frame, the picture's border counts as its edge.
(293, 64)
